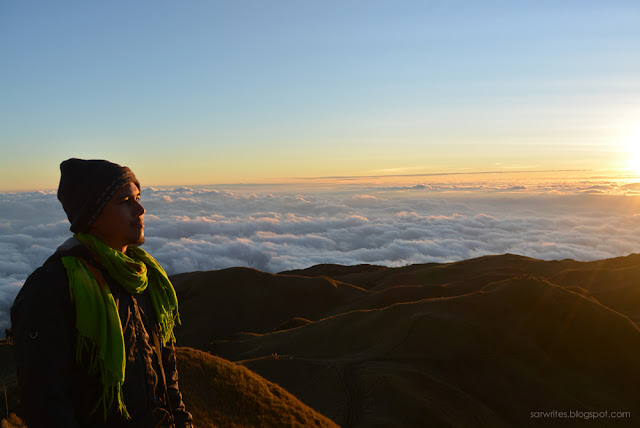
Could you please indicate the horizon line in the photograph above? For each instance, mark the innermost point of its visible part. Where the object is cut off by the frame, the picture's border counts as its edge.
(439, 174)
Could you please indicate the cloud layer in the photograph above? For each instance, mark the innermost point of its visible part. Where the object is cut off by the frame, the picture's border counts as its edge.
(206, 229)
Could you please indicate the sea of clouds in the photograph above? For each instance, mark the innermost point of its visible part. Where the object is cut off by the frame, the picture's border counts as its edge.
(190, 229)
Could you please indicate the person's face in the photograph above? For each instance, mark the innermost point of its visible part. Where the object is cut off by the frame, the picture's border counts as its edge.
(121, 221)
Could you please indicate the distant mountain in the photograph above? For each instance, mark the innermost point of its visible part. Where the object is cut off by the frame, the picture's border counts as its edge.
(492, 341)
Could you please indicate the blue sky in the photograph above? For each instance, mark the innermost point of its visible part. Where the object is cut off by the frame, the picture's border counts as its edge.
(200, 92)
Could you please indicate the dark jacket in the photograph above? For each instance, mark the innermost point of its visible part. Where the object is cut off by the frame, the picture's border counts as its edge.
(56, 390)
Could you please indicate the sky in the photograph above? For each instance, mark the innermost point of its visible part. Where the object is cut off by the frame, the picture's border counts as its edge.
(208, 92)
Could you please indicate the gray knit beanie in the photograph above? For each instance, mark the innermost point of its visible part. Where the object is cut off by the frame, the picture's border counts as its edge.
(86, 186)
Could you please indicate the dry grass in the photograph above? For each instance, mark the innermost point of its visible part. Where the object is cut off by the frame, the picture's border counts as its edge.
(13, 421)
(223, 394)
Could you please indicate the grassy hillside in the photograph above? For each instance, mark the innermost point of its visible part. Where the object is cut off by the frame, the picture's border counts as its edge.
(489, 357)
(223, 394)
(463, 276)
(616, 287)
(481, 342)
(237, 300)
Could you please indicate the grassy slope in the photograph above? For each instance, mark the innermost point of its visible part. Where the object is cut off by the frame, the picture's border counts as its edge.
(463, 276)
(490, 357)
(222, 394)
(237, 300)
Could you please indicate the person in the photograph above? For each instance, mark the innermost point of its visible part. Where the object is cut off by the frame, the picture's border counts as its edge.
(93, 326)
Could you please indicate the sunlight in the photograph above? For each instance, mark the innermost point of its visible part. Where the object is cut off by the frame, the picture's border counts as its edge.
(632, 148)
(634, 157)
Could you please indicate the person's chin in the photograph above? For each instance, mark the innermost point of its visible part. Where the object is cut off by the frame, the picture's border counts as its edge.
(137, 236)
(140, 240)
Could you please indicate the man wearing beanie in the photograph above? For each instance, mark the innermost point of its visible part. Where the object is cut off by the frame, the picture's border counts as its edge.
(93, 327)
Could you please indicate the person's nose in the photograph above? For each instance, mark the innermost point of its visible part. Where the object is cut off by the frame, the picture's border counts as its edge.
(140, 209)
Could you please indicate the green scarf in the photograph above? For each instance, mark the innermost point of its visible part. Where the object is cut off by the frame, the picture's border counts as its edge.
(97, 321)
